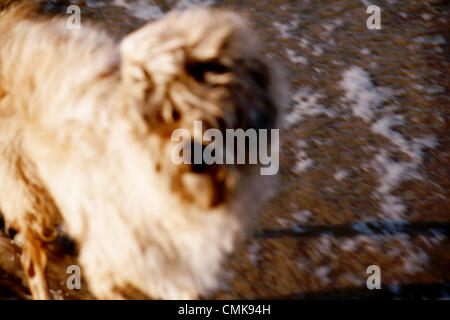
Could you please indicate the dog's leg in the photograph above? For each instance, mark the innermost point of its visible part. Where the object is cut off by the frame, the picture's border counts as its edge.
(28, 208)
(34, 262)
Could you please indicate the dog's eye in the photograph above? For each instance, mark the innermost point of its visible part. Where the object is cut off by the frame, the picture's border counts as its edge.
(198, 69)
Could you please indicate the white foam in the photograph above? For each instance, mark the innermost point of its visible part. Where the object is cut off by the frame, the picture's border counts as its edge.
(412, 147)
(392, 206)
(392, 173)
(322, 273)
(324, 245)
(306, 106)
(317, 50)
(292, 55)
(283, 29)
(340, 174)
(348, 245)
(435, 40)
(301, 144)
(426, 16)
(303, 162)
(304, 43)
(302, 216)
(95, 4)
(414, 261)
(360, 93)
(330, 27)
(364, 51)
(184, 4)
(364, 99)
(141, 9)
(353, 279)
(429, 89)
(253, 251)
(283, 222)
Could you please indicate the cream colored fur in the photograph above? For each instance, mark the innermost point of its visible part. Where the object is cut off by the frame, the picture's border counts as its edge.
(85, 127)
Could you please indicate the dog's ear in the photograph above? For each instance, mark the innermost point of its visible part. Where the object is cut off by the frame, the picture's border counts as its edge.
(187, 64)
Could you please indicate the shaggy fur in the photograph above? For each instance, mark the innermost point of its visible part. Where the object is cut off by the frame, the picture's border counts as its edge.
(85, 127)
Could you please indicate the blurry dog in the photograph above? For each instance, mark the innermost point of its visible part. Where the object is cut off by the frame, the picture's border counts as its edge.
(85, 127)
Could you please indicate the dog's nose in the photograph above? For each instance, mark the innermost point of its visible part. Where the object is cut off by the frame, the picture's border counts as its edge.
(196, 159)
(203, 183)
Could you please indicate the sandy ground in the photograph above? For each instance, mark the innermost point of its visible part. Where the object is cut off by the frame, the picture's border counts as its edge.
(365, 151)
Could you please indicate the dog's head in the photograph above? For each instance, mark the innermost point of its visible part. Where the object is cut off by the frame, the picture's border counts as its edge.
(200, 65)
